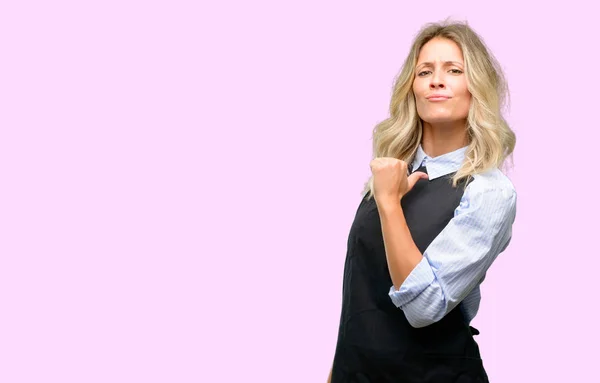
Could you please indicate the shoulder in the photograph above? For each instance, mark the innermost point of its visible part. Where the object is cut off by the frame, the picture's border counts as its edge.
(490, 193)
(492, 182)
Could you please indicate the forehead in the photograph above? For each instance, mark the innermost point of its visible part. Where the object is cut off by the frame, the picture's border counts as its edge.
(440, 49)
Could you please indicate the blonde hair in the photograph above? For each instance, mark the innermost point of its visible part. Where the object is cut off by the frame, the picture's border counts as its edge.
(491, 140)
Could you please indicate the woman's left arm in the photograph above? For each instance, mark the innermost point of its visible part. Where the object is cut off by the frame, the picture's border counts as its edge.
(427, 286)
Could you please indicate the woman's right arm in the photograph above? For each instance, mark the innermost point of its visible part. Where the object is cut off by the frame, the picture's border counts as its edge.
(329, 379)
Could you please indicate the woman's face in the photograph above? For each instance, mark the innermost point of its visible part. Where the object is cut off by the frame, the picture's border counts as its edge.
(440, 84)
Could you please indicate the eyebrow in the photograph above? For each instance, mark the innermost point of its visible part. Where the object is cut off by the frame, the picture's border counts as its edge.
(446, 63)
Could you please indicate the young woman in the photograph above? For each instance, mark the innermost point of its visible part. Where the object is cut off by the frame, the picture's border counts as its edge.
(436, 213)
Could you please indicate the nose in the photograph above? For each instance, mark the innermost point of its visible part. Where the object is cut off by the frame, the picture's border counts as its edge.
(436, 81)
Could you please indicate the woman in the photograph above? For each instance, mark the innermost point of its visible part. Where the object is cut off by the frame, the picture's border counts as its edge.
(436, 213)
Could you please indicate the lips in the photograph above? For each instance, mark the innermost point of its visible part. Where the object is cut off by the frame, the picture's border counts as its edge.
(437, 97)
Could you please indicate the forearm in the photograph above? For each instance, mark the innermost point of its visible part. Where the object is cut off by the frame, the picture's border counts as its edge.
(401, 252)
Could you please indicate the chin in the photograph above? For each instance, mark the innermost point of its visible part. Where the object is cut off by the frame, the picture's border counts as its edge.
(439, 119)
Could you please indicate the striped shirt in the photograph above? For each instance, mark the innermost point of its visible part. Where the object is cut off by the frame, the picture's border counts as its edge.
(455, 263)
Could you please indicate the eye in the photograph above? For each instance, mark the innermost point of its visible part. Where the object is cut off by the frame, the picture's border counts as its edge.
(421, 74)
(456, 71)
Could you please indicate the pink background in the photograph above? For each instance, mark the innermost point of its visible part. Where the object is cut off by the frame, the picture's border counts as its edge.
(178, 180)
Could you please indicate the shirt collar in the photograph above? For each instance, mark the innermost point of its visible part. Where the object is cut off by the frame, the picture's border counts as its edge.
(441, 165)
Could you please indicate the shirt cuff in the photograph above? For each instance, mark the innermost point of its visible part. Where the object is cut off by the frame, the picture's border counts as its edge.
(418, 280)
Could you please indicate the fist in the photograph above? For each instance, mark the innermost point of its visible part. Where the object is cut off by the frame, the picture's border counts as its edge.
(391, 180)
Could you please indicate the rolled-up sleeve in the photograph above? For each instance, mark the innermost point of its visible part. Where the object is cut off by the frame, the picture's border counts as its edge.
(458, 258)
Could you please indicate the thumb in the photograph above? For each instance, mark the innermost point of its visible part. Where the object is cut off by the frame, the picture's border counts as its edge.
(413, 178)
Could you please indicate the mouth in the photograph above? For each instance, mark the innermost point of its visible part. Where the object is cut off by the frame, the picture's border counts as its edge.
(438, 98)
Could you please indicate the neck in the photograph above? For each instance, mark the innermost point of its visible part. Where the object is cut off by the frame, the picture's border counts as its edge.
(440, 139)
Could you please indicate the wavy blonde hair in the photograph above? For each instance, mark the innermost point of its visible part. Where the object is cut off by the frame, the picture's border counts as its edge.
(491, 140)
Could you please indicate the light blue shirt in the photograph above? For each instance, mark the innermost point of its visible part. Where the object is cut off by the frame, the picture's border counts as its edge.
(455, 263)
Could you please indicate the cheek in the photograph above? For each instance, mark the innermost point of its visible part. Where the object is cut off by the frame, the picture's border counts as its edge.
(417, 91)
(464, 93)
(465, 102)
(463, 98)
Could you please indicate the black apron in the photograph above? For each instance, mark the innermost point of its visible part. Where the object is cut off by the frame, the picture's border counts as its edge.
(376, 343)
